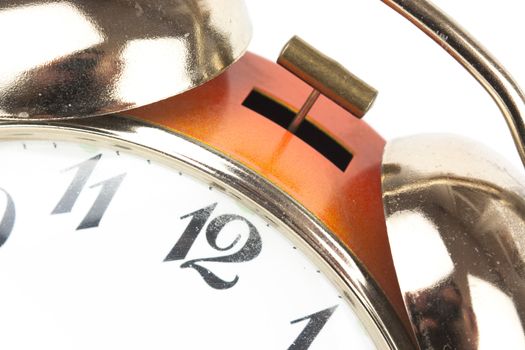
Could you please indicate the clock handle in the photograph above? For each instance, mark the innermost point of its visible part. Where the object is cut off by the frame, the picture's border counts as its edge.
(474, 57)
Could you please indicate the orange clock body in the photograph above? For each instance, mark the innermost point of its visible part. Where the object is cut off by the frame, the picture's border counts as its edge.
(348, 202)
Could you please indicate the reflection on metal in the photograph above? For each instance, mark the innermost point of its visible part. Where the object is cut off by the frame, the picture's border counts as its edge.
(456, 224)
(476, 59)
(174, 150)
(75, 58)
(327, 76)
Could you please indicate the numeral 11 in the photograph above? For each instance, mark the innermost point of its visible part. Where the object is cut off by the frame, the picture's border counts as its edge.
(108, 188)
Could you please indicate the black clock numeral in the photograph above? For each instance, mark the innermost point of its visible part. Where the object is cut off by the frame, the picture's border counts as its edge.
(85, 169)
(107, 192)
(184, 244)
(316, 322)
(8, 218)
(108, 188)
(249, 251)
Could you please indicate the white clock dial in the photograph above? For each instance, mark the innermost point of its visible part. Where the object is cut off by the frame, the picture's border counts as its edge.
(101, 249)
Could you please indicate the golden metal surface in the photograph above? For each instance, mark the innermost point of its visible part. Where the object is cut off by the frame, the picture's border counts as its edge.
(456, 221)
(76, 58)
(474, 57)
(327, 76)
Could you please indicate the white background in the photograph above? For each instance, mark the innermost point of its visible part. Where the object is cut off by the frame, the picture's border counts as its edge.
(421, 88)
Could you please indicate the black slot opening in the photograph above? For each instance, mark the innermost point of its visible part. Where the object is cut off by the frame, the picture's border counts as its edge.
(308, 132)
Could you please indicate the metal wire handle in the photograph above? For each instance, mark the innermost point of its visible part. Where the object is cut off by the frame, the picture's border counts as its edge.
(474, 57)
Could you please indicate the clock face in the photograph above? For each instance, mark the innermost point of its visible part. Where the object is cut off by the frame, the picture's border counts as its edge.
(104, 249)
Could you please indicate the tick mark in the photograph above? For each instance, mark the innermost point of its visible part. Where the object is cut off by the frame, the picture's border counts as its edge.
(54, 145)
(24, 145)
(118, 153)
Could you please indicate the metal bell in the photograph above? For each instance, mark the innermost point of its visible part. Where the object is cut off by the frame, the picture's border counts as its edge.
(79, 58)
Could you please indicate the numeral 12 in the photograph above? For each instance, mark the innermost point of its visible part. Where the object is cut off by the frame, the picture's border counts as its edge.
(249, 251)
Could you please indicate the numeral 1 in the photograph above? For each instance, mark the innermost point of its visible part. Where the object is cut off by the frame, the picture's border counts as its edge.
(184, 244)
(85, 169)
(313, 327)
(101, 204)
(108, 188)
(8, 219)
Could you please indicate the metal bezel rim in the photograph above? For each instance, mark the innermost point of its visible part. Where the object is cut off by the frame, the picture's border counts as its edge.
(254, 191)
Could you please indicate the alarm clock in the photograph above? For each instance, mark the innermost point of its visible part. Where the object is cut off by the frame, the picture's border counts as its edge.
(163, 188)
